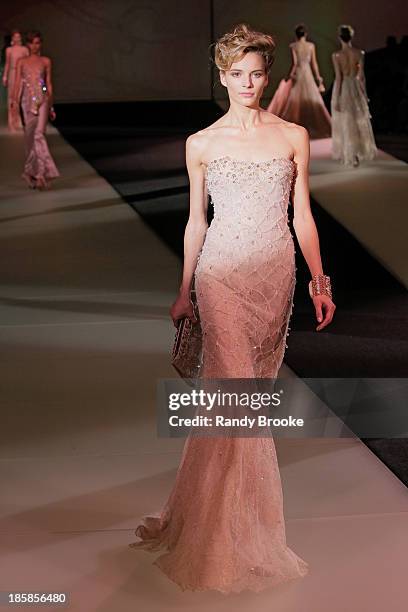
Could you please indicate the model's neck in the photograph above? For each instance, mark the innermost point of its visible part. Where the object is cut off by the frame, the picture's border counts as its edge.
(244, 117)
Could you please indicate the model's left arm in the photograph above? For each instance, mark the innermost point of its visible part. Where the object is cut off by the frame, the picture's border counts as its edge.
(50, 90)
(360, 73)
(316, 70)
(304, 224)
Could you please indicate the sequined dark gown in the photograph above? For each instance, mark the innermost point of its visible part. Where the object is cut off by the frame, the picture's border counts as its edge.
(223, 524)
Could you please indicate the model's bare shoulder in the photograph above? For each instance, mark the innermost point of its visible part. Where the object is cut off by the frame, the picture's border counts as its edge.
(281, 123)
(196, 147)
(270, 118)
(298, 132)
(298, 136)
(201, 143)
(295, 134)
(196, 142)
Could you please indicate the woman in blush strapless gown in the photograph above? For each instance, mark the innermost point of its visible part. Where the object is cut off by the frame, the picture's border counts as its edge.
(13, 53)
(353, 137)
(223, 526)
(33, 88)
(298, 98)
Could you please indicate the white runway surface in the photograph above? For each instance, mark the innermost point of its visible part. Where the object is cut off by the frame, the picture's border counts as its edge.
(85, 333)
(370, 201)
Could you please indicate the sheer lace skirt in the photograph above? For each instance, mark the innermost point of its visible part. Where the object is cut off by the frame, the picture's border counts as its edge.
(223, 527)
(352, 133)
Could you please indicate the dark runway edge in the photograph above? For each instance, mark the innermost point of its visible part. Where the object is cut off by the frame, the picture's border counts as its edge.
(142, 156)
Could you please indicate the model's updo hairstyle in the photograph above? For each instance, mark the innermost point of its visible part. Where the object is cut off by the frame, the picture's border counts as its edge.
(33, 34)
(300, 30)
(345, 32)
(232, 46)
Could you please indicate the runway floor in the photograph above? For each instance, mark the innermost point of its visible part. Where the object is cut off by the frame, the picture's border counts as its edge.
(85, 333)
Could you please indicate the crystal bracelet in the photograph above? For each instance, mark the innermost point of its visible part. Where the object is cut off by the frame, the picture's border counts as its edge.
(320, 285)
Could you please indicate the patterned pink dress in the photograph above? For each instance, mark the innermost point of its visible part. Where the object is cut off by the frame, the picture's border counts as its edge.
(223, 524)
(35, 105)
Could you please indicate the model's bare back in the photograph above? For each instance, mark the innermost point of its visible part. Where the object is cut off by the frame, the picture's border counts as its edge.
(303, 49)
(349, 60)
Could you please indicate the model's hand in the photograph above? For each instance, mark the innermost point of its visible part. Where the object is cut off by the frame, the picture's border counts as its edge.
(324, 308)
(182, 307)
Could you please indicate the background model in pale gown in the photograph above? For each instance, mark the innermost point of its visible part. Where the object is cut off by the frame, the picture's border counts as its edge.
(353, 138)
(298, 98)
(13, 53)
(223, 523)
(34, 89)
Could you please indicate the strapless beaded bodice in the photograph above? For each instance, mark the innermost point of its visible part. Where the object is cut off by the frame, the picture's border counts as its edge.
(35, 88)
(237, 186)
(250, 201)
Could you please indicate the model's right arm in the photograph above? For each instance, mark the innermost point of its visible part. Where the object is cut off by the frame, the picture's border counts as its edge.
(196, 227)
(6, 67)
(315, 66)
(360, 73)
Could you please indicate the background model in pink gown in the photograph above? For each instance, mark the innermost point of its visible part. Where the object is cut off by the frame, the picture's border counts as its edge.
(14, 52)
(39, 165)
(304, 104)
(280, 97)
(223, 523)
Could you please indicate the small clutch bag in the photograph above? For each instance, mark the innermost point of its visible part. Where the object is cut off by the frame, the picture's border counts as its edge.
(187, 347)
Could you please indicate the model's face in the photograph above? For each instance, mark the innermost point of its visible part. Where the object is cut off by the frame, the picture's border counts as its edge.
(246, 79)
(35, 45)
(16, 38)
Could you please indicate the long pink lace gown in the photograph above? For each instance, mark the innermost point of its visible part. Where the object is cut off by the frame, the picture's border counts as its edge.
(304, 104)
(15, 53)
(34, 101)
(223, 523)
